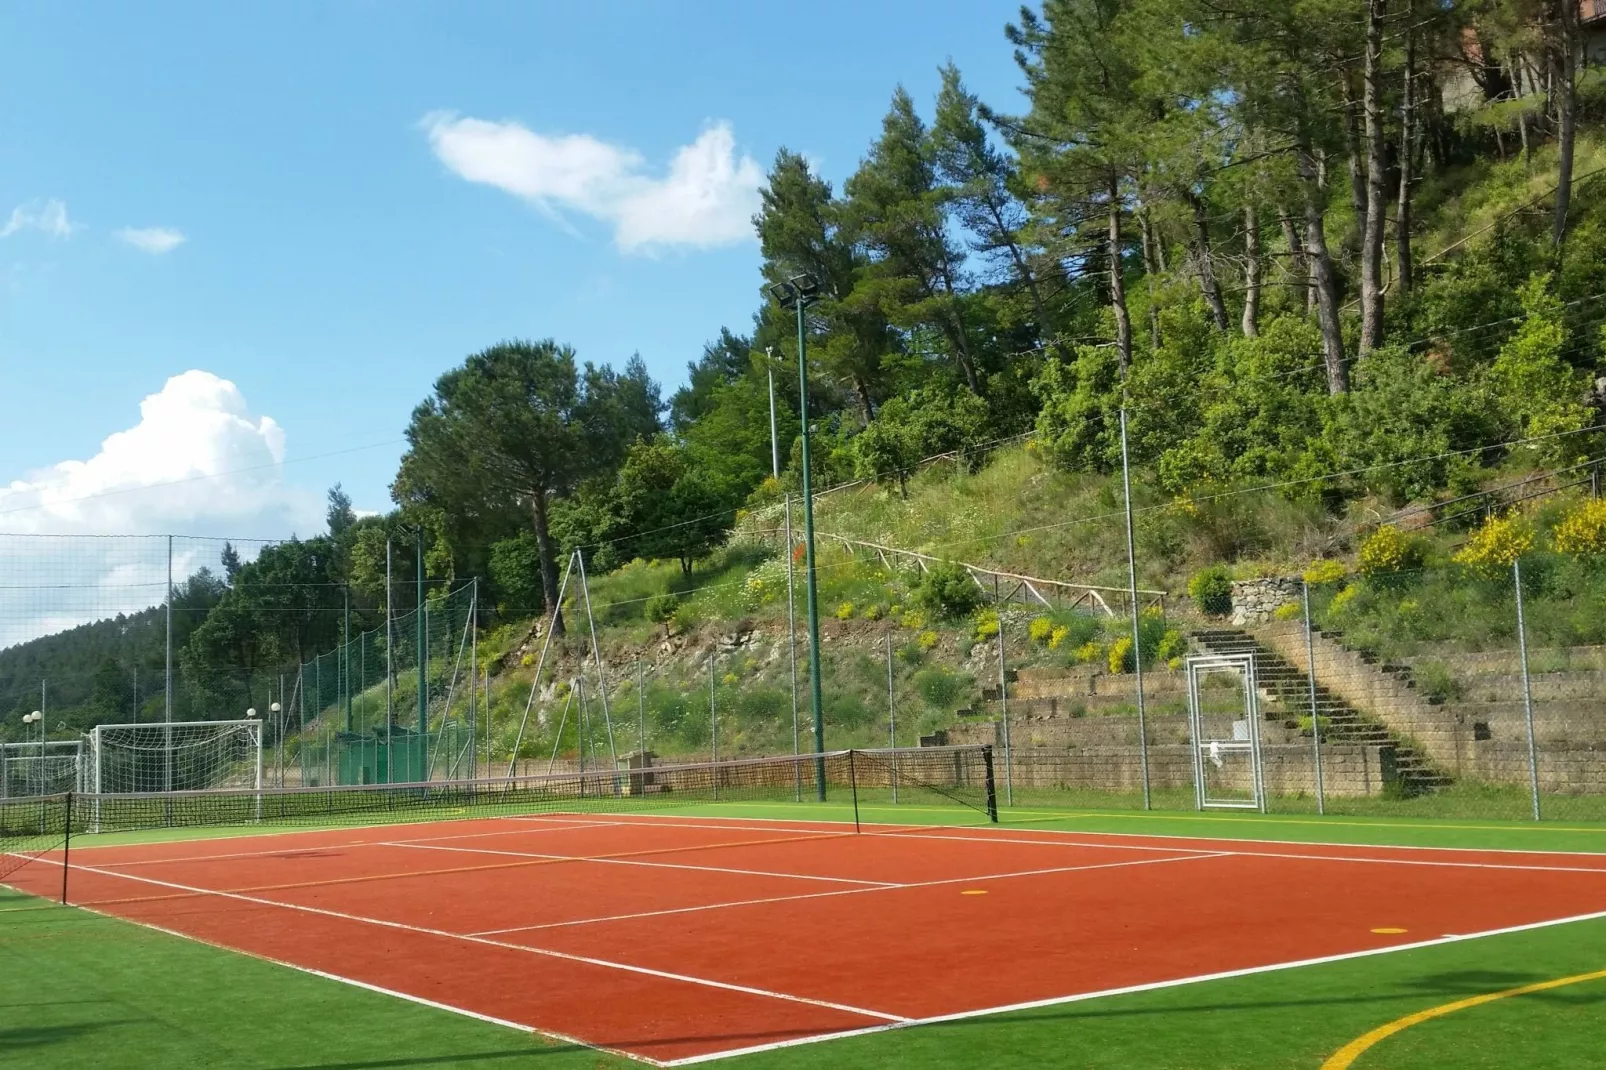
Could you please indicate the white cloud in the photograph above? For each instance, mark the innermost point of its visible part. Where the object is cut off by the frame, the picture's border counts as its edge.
(48, 217)
(197, 461)
(153, 240)
(707, 198)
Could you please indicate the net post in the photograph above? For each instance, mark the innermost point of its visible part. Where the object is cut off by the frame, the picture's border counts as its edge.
(992, 786)
(66, 844)
(853, 786)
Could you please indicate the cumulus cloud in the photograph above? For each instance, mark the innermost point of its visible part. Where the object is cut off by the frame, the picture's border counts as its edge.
(48, 217)
(153, 240)
(706, 199)
(198, 461)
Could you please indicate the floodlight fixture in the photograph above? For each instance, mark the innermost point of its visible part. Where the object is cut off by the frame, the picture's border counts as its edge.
(251, 712)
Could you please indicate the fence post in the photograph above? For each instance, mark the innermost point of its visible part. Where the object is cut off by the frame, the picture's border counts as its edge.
(853, 786)
(1137, 632)
(892, 721)
(1527, 691)
(1315, 718)
(1003, 702)
(713, 725)
(66, 845)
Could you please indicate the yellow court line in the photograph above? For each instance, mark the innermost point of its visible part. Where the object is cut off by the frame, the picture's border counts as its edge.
(1345, 1056)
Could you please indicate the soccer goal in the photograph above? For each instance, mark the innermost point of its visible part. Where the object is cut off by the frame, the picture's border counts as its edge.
(1224, 727)
(174, 756)
(49, 768)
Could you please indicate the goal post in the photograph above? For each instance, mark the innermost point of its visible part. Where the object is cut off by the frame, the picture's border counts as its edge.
(166, 756)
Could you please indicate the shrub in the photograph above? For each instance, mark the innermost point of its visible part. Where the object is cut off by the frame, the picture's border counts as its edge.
(1496, 545)
(844, 611)
(527, 660)
(1341, 600)
(986, 625)
(927, 640)
(1325, 571)
(1582, 531)
(1120, 655)
(1211, 590)
(1388, 550)
(1041, 629)
(1173, 644)
(874, 611)
(1289, 611)
(1088, 652)
(913, 619)
(1058, 636)
(661, 608)
(948, 590)
(939, 688)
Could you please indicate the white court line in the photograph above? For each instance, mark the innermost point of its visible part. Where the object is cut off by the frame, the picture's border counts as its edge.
(846, 891)
(327, 847)
(1279, 854)
(353, 982)
(671, 821)
(655, 865)
(1153, 986)
(546, 952)
(987, 834)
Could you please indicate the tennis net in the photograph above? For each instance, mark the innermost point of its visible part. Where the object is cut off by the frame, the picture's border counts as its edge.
(31, 826)
(956, 779)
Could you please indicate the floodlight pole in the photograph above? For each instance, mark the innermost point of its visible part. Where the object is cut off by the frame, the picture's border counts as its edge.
(422, 622)
(810, 579)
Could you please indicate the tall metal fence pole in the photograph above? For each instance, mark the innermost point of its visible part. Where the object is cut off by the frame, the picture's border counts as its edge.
(791, 646)
(1137, 635)
(713, 723)
(1315, 717)
(167, 674)
(892, 721)
(641, 715)
(1003, 704)
(1527, 691)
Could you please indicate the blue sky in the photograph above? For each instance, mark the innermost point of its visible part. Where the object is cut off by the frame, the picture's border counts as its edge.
(328, 204)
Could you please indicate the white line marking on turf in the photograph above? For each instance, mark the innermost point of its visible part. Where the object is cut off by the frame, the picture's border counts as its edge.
(846, 891)
(546, 952)
(329, 849)
(1130, 989)
(642, 862)
(436, 1005)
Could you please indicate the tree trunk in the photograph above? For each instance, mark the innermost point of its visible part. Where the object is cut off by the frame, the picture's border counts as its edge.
(1402, 212)
(1123, 322)
(549, 566)
(1251, 321)
(1024, 270)
(1296, 255)
(1522, 120)
(1146, 228)
(1566, 101)
(1352, 152)
(1207, 272)
(1324, 279)
(1372, 230)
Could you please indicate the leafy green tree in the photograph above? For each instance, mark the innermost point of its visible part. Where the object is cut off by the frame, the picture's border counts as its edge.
(897, 209)
(667, 507)
(520, 422)
(340, 514)
(515, 566)
(918, 425)
(724, 360)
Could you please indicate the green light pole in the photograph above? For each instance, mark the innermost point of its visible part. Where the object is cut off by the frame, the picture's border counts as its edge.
(798, 293)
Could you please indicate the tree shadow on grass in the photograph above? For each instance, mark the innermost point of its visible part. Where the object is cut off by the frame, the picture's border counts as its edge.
(19, 1038)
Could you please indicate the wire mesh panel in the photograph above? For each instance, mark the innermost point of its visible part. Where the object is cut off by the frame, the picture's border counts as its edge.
(30, 827)
(48, 768)
(182, 756)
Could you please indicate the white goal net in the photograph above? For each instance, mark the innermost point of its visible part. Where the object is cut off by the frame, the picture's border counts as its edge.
(48, 768)
(174, 756)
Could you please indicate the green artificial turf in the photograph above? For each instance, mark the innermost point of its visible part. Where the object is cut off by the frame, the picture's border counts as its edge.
(81, 990)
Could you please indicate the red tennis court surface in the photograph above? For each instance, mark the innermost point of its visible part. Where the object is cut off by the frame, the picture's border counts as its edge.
(675, 940)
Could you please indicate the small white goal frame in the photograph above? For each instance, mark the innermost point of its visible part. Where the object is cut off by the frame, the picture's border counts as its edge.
(1213, 750)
